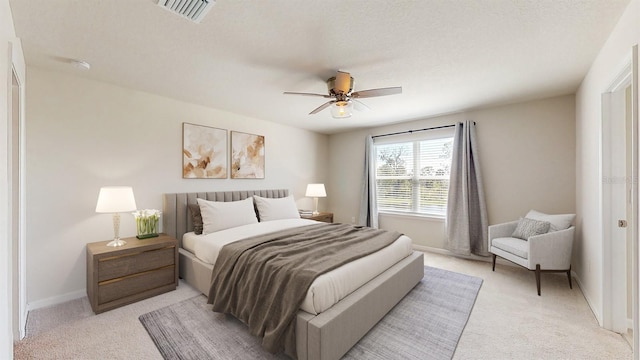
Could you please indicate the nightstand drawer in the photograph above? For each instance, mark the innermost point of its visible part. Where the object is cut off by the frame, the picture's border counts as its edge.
(119, 288)
(129, 264)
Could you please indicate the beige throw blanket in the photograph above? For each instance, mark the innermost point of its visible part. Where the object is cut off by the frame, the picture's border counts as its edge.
(263, 280)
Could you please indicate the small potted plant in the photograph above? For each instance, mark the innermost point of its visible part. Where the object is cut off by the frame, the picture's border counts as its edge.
(147, 223)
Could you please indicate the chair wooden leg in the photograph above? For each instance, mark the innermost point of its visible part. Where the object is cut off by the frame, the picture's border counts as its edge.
(569, 276)
(538, 277)
(494, 262)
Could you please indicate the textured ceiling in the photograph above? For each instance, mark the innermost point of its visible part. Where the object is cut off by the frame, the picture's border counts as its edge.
(448, 55)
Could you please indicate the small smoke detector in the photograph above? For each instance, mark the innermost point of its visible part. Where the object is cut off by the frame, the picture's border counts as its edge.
(193, 10)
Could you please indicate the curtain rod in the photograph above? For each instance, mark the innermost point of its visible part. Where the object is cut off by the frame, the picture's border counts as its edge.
(412, 131)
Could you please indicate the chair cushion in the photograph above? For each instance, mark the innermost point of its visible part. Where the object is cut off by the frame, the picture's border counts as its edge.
(528, 227)
(515, 246)
(558, 222)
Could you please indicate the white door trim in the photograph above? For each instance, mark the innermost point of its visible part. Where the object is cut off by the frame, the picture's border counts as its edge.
(635, 98)
(613, 303)
(19, 68)
(628, 76)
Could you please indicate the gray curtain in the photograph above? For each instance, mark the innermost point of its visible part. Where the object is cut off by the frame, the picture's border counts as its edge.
(466, 207)
(368, 205)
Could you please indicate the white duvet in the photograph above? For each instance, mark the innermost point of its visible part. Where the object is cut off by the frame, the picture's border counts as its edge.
(328, 288)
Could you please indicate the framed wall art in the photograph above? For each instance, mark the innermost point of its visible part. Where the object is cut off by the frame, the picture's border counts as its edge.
(204, 152)
(247, 156)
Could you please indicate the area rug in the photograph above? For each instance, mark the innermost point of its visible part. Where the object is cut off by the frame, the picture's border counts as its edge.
(426, 324)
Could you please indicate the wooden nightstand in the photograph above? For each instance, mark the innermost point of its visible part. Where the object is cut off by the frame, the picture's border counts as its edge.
(118, 276)
(323, 216)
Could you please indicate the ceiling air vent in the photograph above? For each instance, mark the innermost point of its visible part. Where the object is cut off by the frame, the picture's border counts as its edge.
(193, 10)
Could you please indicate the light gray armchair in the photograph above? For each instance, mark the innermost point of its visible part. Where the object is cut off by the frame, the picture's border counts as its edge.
(549, 252)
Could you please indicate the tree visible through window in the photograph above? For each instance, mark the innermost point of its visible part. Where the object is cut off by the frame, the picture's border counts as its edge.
(413, 177)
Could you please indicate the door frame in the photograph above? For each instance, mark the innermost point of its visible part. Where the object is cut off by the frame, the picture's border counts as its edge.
(612, 300)
(613, 304)
(628, 76)
(18, 69)
(635, 164)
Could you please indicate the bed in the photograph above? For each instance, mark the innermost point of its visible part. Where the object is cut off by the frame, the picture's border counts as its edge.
(324, 334)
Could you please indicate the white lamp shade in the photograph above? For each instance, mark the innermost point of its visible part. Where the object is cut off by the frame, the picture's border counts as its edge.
(114, 199)
(316, 190)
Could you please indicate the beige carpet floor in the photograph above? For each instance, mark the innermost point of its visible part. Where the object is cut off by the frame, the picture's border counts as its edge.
(509, 321)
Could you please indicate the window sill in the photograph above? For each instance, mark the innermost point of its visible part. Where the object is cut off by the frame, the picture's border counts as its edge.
(412, 215)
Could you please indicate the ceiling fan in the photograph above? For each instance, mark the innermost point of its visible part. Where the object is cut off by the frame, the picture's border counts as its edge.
(342, 98)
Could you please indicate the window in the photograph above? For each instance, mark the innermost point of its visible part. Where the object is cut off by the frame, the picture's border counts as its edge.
(413, 176)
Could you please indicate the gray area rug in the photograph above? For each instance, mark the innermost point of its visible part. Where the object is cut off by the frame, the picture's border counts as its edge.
(426, 324)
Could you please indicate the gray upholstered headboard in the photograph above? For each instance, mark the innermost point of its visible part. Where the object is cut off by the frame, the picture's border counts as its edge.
(176, 219)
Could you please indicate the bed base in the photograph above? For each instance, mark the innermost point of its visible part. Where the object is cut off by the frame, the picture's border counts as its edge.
(325, 336)
(330, 334)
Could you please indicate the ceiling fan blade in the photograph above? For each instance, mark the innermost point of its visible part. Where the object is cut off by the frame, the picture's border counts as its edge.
(377, 92)
(360, 106)
(306, 94)
(343, 82)
(322, 107)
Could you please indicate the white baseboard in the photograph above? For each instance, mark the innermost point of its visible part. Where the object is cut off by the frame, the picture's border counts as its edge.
(595, 312)
(470, 257)
(447, 252)
(431, 249)
(55, 300)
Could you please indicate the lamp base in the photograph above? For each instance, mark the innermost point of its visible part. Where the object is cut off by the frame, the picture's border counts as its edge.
(116, 242)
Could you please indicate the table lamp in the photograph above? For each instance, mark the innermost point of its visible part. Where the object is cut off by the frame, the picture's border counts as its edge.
(116, 199)
(315, 191)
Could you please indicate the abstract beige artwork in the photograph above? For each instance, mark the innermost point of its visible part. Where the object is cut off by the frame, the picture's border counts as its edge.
(247, 156)
(204, 152)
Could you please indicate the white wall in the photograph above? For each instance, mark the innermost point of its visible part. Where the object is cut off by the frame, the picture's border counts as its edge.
(613, 57)
(83, 134)
(7, 34)
(527, 156)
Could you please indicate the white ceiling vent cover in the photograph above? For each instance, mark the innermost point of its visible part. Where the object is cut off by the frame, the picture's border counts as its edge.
(193, 10)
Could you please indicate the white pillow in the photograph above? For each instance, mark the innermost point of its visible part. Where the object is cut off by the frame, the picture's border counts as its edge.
(276, 209)
(558, 222)
(218, 215)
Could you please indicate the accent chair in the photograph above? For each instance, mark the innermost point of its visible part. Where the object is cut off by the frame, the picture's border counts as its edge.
(538, 242)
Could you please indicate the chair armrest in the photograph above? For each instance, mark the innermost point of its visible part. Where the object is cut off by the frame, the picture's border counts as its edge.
(552, 250)
(502, 230)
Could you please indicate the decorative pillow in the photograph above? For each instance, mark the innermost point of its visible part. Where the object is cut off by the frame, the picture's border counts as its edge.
(558, 222)
(217, 215)
(529, 227)
(276, 209)
(196, 218)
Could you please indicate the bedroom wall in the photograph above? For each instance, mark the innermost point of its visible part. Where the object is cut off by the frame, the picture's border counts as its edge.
(612, 59)
(527, 156)
(84, 134)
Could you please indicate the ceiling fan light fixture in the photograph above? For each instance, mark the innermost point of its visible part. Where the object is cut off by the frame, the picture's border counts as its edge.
(341, 109)
(340, 91)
